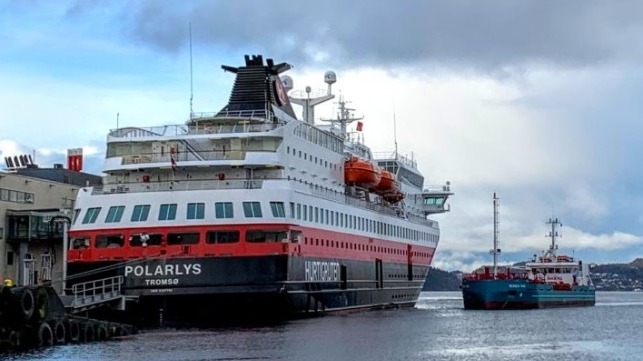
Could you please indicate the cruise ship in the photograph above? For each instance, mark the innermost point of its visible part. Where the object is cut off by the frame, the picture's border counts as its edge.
(251, 209)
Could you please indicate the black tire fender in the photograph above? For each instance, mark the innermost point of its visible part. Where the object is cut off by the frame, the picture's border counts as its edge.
(60, 333)
(45, 335)
(73, 331)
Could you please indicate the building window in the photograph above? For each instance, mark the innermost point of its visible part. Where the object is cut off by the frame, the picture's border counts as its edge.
(223, 209)
(140, 213)
(114, 214)
(10, 258)
(91, 215)
(167, 212)
(252, 209)
(278, 209)
(196, 210)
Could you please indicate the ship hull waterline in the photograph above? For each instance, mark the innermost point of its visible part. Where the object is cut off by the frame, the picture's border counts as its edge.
(522, 294)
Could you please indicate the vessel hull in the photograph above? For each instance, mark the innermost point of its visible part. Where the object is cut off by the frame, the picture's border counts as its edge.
(522, 294)
(267, 287)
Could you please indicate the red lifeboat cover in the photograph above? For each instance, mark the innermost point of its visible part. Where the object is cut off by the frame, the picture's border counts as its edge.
(361, 172)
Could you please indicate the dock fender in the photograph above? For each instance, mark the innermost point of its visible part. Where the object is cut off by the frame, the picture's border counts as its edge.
(60, 334)
(73, 330)
(101, 332)
(26, 302)
(88, 332)
(42, 303)
(45, 335)
(15, 338)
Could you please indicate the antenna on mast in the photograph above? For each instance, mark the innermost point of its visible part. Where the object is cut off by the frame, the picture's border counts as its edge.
(191, 74)
(394, 128)
(495, 251)
(118, 115)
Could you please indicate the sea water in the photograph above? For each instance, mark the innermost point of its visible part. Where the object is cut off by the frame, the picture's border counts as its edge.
(438, 328)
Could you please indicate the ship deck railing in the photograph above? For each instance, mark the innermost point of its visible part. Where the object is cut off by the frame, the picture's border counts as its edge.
(325, 193)
(383, 156)
(197, 128)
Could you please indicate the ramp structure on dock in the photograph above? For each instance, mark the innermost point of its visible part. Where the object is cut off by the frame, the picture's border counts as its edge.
(88, 295)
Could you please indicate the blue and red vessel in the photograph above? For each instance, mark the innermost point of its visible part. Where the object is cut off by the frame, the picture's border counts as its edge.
(550, 280)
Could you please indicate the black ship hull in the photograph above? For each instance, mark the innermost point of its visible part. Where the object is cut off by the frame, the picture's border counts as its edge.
(224, 289)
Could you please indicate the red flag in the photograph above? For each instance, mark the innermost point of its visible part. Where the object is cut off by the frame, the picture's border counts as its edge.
(359, 126)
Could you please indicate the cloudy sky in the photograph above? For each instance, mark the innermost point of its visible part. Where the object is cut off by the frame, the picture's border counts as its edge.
(539, 101)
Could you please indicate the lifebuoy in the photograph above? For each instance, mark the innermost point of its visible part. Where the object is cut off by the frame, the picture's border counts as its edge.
(45, 335)
(60, 334)
(74, 331)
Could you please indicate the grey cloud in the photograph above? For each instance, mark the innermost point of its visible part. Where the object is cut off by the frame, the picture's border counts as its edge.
(483, 35)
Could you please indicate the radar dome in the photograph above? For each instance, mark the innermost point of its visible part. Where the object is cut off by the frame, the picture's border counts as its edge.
(330, 77)
(286, 81)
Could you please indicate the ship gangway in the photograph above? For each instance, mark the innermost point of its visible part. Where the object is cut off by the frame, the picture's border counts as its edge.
(92, 294)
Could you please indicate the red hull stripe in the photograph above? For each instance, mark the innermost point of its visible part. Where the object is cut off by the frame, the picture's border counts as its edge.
(314, 243)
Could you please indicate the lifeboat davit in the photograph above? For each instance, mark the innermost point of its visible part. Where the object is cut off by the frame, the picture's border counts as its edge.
(394, 196)
(361, 172)
(386, 184)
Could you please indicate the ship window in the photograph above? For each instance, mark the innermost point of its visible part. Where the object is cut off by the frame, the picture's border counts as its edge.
(140, 213)
(114, 214)
(79, 243)
(278, 209)
(252, 209)
(91, 215)
(110, 241)
(223, 209)
(74, 218)
(258, 236)
(182, 238)
(217, 237)
(295, 236)
(298, 211)
(167, 212)
(144, 240)
(292, 210)
(196, 210)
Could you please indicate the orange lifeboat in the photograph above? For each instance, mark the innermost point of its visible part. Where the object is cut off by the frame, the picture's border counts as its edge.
(386, 184)
(361, 172)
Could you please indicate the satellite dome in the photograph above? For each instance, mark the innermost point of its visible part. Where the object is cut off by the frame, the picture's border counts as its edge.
(330, 77)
